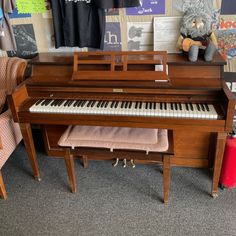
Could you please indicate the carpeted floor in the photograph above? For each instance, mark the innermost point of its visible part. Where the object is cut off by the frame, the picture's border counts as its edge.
(111, 201)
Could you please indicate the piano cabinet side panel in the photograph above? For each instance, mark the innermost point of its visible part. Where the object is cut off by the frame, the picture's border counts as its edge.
(191, 149)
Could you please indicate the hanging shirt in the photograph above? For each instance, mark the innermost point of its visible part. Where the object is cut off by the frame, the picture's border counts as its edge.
(106, 4)
(78, 23)
(7, 39)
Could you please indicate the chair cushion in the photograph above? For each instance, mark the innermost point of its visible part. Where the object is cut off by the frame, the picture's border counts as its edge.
(115, 138)
(3, 97)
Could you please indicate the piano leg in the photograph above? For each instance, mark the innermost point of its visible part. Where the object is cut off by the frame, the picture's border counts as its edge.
(219, 153)
(69, 160)
(166, 177)
(30, 148)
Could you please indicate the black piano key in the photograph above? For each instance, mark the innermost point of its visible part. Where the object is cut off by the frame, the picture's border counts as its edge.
(126, 104)
(140, 105)
(198, 107)
(202, 107)
(44, 102)
(65, 104)
(136, 105)
(130, 105)
(99, 103)
(54, 103)
(161, 106)
(187, 107)
(165, 106)
(122, 104)
(60, 102)
(80, 103)
(146, 105)
(112, 104)
(150, 105)
(106, 104)
(176, 106)
(89, 103)
(191, 106)
(207, 107)
(180, 106)
(69, 104)
(171, 106)
(48, 102)
(116, 104)
(38, 102)
(154, 106)
(83, 103)
(93, 103)
(76, 103)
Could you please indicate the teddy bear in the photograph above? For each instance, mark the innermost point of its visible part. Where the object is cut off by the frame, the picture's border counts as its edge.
(196, 35)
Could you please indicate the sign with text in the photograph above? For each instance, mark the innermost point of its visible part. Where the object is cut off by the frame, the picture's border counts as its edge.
(148, 7)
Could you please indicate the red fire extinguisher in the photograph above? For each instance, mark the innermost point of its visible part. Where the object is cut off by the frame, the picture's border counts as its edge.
(228, 171)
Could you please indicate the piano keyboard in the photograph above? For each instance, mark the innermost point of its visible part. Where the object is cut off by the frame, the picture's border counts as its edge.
(125, 108)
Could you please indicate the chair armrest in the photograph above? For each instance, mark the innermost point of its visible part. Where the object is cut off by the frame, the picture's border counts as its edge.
(21, 72)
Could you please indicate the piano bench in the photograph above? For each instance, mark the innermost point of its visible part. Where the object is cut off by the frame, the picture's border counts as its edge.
(109, 143)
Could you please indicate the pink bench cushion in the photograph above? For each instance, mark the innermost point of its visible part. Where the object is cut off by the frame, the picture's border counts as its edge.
(115, 138)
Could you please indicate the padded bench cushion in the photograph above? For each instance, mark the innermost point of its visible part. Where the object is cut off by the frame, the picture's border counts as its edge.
(115, 138)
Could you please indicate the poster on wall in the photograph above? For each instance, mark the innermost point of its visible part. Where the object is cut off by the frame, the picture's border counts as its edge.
(228, 7)
(148, 7)
(166, 33)
(25, 41)
(15, 14)
(140, 36)
(31, 6)
(112, 39)
(227, 37)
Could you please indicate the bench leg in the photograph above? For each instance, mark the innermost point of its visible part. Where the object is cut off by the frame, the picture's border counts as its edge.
(3, 192)
(69, 160)
(85, 161)
(166, 177)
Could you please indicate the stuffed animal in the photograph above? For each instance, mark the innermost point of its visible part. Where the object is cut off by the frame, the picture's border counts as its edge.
(196, 36)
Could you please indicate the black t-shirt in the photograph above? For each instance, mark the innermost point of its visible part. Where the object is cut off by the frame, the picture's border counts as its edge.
(78, 23)
(116, 3)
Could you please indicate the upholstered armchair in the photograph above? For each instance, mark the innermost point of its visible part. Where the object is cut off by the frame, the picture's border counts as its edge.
(11, 74)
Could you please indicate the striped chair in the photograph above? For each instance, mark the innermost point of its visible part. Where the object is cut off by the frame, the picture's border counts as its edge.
(11, 74)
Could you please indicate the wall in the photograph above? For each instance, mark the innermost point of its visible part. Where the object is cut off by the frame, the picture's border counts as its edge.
(34, 33)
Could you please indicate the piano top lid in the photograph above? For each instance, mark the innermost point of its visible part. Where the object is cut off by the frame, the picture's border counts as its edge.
(58, 58)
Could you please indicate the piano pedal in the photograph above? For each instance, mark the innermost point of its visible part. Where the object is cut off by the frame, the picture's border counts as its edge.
(116, 162)
(132, 163)
(124, 163)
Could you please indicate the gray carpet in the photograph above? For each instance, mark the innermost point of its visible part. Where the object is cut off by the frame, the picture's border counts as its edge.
(111, 201)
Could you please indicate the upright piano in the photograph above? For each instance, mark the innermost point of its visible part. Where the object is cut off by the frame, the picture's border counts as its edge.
(129, 89)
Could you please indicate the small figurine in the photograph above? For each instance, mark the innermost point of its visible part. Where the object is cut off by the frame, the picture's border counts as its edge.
(196, 35)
